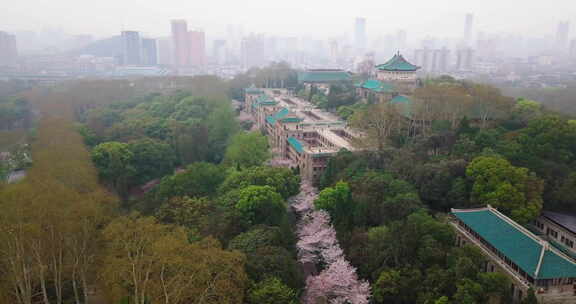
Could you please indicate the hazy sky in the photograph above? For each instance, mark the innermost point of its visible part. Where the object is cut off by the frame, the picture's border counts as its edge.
(317, 18)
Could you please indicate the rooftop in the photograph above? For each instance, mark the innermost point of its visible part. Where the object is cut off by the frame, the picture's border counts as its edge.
(397, 63)
(376, 86)
(567, 221)
(323, 76)
(532, 254)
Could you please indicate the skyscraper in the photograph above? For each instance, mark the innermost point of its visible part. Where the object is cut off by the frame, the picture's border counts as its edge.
(8, 49)
(360, 34)
(468, 29)
(197, 46)
(219, 52)
(252, 50)
(149, 51)
(562, 34)
(131, 48)
(165, 51)
(180, 38)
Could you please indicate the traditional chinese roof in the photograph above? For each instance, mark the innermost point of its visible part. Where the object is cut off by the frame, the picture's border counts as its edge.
(264, 100)
(530, 253)
(376, 86)
(397, 63)
(296, 144)
(323, 76)
(279, 115)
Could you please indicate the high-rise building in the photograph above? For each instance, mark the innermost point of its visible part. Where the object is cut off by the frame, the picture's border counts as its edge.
(131, 48)
(572, 50)
(468, 25)
(219, 52)
(465, 59)
(252, 50)
(165, 51)
(180, 43)
(360, 34)
(8, 49)
(197, 47)
(149, 51)
(562, 34)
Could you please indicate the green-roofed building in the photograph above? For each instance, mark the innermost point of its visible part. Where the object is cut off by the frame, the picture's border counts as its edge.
(323, 76)
(528, 260)
(323, 79)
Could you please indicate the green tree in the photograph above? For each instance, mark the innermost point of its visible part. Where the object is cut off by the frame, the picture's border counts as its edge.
(337, 201)
(272, 291)
(151, 159)
(114, 161)
(247, 149)
(283, 180)
(261, 205)
(513, 190)
(199, 179)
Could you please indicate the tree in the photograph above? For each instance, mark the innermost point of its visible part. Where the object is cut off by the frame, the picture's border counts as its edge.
(283, 180)
(337, 201)
(114, 161)
(514, 190)
(247, 149)
(155, 263)
(379, 122)
(261, 205)
(199, 179)
(151, 159)
(272, 291)
(530, 298)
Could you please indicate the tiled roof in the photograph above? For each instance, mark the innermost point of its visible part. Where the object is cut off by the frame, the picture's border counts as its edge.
(296, 144)
(377, 86)
(397, 63)
(565, 220)
(279, 115)
(322, 76)
(519, 245)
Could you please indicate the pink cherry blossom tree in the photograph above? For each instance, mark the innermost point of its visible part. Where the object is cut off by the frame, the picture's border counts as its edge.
(338, 283)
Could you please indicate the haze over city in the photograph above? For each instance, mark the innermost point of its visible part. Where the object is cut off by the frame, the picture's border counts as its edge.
(300, 17)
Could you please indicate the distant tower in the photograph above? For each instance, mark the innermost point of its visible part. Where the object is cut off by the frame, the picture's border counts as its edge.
(131, 48)
(562, 34)
(8, 49)
(360, 35)
(197, 47)
(469, 23)
(181, 46)
(149, 51)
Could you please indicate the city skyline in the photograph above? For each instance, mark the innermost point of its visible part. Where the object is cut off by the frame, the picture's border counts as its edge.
(419, 19)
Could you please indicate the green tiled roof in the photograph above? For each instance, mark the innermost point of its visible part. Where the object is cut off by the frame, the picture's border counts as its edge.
(271, 120)
(264, 100)
(322, 76)
(296, 144)
(279, 115)
(292, 119)
(397, 63)
(377, 86)
(519, 246)
(252, 90)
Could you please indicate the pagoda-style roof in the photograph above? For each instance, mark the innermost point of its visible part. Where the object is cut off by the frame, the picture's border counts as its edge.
(376, 86)
(531, 254)
(323, 76)
(397, 64)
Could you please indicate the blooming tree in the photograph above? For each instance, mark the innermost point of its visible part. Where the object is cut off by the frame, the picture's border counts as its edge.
(338, 283)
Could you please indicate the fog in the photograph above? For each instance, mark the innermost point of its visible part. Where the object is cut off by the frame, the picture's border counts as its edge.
(299, 17)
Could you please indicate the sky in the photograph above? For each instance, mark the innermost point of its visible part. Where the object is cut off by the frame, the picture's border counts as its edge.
(313, 18)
